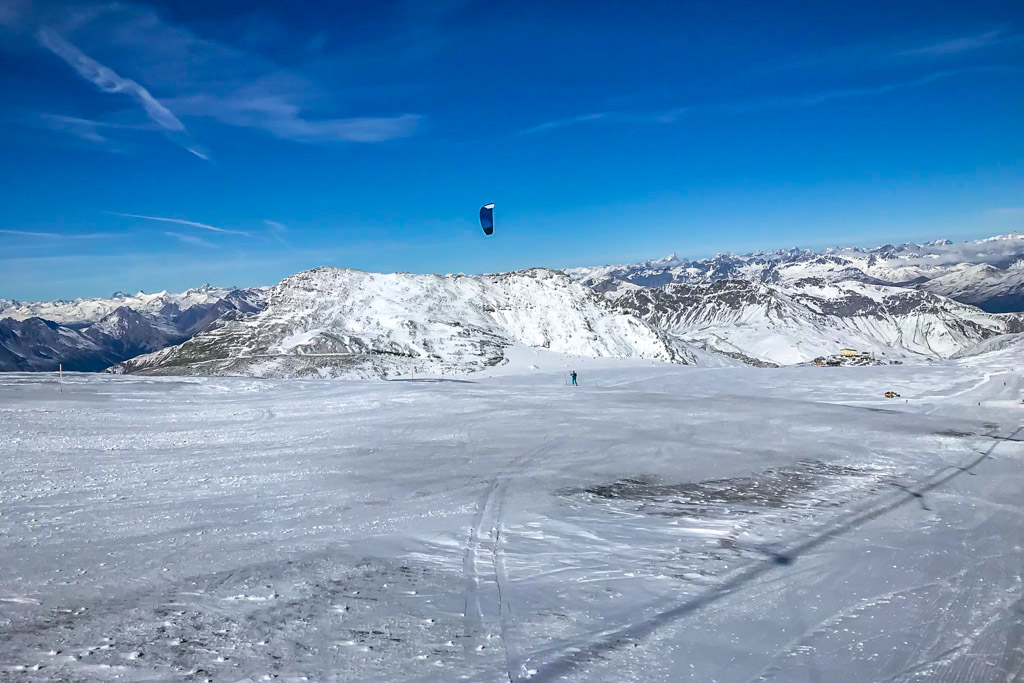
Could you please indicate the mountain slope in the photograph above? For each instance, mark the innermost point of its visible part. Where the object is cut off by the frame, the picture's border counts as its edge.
(127, 333)
(797, 322)
(996, 290)
(338, 322)
(1004, 345)
(37, 345)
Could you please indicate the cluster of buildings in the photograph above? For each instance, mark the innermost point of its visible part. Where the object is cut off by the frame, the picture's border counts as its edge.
(847, 357)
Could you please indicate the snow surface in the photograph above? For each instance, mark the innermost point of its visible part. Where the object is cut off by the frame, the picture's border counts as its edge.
(658, 523)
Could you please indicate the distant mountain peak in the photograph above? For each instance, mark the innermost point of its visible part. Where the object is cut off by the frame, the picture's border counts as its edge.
(207, 288)
(671, 261)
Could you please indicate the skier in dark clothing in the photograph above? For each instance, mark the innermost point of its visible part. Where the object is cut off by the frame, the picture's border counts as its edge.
(573, 375)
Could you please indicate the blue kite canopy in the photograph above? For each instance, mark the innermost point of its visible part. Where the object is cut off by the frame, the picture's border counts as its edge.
(487, 218)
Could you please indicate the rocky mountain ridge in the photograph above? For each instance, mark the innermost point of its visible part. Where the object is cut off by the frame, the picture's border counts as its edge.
(93, 334)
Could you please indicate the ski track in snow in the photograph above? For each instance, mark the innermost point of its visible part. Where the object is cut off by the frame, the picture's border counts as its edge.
(473, 611)
(517, 529)
(487, 523)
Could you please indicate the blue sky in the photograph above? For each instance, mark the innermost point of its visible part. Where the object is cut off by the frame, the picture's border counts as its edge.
(162, 145)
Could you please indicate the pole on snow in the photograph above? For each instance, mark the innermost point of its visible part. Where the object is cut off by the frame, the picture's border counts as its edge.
(60, 376)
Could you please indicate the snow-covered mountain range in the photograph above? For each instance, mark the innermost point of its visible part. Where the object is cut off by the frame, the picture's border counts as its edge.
(908, 302)
(331, 322)
(93, 334)
(986, 273)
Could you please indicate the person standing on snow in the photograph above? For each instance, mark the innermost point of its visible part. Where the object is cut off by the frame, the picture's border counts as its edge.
(573, 375)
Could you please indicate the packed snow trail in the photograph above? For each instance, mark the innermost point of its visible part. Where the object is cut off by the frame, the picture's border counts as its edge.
(233, 529)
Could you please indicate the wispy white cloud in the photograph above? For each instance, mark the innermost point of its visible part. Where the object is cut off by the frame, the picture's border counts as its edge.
(958, 45)
(199, 152)
(86, 129)
(745, 106)
(897, 51)
(276, 229)
(181, 221)
(362, 129)
(638, 118)
(276, 113)
(82, 129)
(842, 93)
(107, 79)
(27, 233)
(227, 83)
(61, 236)
(570, 121)
(192, 239)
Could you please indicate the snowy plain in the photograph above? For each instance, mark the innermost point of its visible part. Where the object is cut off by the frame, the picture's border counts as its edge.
(657, 523)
